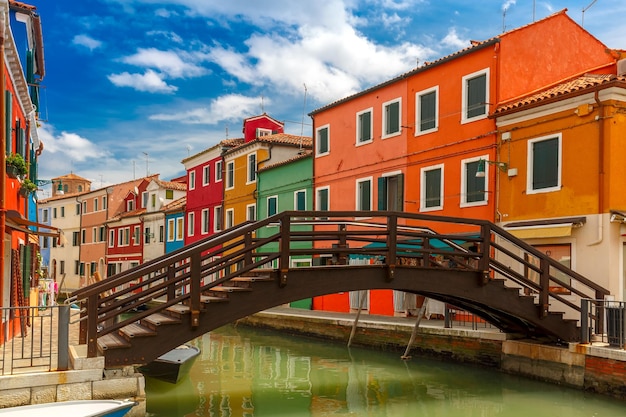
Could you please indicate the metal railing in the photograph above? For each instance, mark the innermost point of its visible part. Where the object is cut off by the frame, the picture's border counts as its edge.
(603, 322)
(34, 339)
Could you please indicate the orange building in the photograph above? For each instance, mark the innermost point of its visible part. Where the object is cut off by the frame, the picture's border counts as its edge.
(564, 189)
(430, 133)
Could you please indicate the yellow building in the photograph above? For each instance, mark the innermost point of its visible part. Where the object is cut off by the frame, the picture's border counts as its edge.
(562, 181)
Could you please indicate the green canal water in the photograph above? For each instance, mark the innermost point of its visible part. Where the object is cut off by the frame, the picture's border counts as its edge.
(245, 372)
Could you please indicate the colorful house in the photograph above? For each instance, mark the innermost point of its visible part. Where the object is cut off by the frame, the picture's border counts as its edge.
(174, 219)
(430, 128)
(286, 186)
(563, 191)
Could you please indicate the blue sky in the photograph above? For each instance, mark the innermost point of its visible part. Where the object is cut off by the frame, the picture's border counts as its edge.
(135, 86)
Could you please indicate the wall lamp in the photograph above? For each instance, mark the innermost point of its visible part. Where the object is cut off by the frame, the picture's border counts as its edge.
(480, 170)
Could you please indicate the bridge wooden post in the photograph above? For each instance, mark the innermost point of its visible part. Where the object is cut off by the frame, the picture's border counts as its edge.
(92, 326)
(194, 296)
(285, 233)
(171, 287)
(485, 252)
(342, 258)
(392, 245)
(248, 242)
(544, 282)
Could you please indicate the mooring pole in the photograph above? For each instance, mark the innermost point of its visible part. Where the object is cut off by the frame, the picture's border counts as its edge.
(356, 319)
(420, 314)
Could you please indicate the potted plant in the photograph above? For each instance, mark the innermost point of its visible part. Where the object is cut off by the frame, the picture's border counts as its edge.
(16, 165)
(27, 187)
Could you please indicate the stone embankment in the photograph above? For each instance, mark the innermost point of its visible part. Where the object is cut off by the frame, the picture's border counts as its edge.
(592, 368)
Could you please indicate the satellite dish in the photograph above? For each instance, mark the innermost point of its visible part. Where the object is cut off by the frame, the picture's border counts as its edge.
(136, 190)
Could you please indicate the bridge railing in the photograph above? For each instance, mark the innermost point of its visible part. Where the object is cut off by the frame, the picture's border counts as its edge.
(392, 239)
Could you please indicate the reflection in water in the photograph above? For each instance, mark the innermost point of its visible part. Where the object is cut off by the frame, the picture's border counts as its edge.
(251, 373)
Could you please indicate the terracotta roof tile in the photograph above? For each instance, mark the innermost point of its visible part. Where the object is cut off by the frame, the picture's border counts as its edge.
(171, 185)
(278, 138)
(579, 84)
(304, 154)
(175, 205)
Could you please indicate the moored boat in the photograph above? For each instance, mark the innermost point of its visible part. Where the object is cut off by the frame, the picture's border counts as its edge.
(172, 366)
(80, 408)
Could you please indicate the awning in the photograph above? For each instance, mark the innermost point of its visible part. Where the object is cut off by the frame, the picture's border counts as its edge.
(545, 228)
(15, 221)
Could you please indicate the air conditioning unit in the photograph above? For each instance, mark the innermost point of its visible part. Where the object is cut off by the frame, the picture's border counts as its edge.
(621, 67)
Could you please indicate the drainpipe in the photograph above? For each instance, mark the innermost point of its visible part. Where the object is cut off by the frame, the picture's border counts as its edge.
(600, 119)
(3, 140)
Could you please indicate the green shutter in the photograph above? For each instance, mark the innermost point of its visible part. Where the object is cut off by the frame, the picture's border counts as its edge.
(474, 187)
(393, 118)
(8, 117)
(399, 193)
(428, 105)
(476, 96)
(382, 193)
(546, 163)
(433, 188)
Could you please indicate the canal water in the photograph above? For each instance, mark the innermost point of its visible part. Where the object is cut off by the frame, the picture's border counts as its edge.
(244, 372)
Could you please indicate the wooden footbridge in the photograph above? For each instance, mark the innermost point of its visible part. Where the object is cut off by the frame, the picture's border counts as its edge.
(471, 264)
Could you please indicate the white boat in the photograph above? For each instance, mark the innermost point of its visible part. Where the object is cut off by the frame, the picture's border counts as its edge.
(84, 408)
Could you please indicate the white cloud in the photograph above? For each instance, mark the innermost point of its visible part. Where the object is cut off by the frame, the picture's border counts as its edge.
(87, 42)
(168, 62)
(507, 4)
(453, 40)
(229, 107)
(172, 36)
(149, 81)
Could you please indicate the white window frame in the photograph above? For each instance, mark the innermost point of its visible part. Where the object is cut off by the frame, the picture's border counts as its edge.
(260, 132)
(192, 180)
(230, 183)
(206, 175)
(385, 121)
(317, 147)
(358, 203)
(230, 218)
(251, 212)
(418, 108)
(464, 107)
(205, 222)
(359, 126)
(180, 228)
(423, 187)
(191, 223)
(112, 238)
(317, 199)
(295, 200)
(267, 202)
(218, 171)
(530, 170)
(171, 230)
(464, 163)
(251, 168)
(217, 219)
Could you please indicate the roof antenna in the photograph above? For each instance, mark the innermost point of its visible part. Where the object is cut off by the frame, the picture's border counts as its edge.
(505, 7)
(582, 24)
(262, 106)
(303, 112)
(226, 128)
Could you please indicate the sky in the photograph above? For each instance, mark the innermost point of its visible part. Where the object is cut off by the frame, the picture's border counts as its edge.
(132, 87)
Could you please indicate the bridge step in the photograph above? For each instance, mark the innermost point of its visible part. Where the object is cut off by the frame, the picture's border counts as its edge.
(256, 278)
(112, 341)
(178, 310)
(206, 299)
(158, 319)
(136, 330)
(221, 288)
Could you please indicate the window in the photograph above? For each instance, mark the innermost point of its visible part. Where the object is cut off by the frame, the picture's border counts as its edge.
(77, 210)
(45, 242)
(299, 200)
(391, 118)
(44, 215)
(217, 218)
(218, 171)
(63, 210)
(473, 190)
(206, 175)
(180, 231)
(171, 230)
(251, 168)
(102, 234)
(426, 111)
(260, 132)
(146, 235)
(391, 192)
(272, 205)
(104, 202)
(544, 165)
(130, 204)
(322, 201)
(364, 126)
(126, 236)
(94, 235)
(111, 238)
(153, 200)
(83, 236)
(191, 220)
(169, 194)
(431, 190)
(192, 180)
(230, 174)
(205, 221)
(322, 140)
(84, 209)
(561, 253)
(161, 233)
(62, 267)
(54, 213)
(144, 199)
(230, 218)
(475, 96)
(136, 235)
(251, 212)
(364, 194)
(95, 204)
